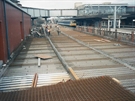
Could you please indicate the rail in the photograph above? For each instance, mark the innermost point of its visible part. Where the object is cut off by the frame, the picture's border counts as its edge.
(68, 68)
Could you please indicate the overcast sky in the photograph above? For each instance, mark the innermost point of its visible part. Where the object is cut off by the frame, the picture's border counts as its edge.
(66, 4)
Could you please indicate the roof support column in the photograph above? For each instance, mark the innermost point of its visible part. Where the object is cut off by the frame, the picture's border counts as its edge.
(84, 23)
(114, 20)
(46, 21)
(119, 22)
(61, 12)
(32, 20)
(108, 24)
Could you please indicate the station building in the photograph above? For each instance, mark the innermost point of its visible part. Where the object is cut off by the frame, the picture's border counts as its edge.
(102, 15)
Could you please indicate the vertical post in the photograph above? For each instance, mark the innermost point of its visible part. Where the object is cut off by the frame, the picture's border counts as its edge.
(61, 12)
(32, 21)
(6, 27)
(93, 32)
(77, 12)
(27, 10)
(45, 20)
(48, 13)
(132, 36)
(115, 33)
(33, 13)
(119, 22)
(40, 12)
(114, 21)
(108, 24)
(84, 23)
(98, 9)
(100, 24)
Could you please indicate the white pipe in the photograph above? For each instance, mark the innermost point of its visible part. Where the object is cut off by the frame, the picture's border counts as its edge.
(38, 62)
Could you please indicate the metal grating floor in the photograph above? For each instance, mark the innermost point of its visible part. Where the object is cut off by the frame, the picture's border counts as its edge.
(101, 88)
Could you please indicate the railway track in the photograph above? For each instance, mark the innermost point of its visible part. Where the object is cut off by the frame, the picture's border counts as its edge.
(75, 55)
(91, 56)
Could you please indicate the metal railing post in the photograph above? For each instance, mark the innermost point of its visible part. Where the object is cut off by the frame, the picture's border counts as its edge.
(132, 36)
(115, 33)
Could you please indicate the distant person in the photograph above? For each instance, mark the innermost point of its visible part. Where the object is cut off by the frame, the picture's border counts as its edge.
(48, 32)
(58, 30)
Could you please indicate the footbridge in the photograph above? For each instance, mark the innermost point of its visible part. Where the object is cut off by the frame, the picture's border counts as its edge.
(45, 13)
(112, 14)
(87, 10)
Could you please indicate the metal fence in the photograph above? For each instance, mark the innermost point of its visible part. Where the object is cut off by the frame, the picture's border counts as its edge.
(119, 36)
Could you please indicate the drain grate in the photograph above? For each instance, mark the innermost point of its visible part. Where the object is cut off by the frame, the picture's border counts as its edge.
(92, 89)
